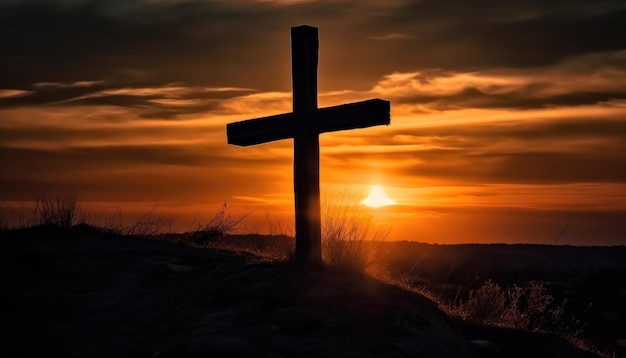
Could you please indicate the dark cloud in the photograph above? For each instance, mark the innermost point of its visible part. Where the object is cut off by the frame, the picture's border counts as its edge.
(521, 99)
(47, 161)
(518, 33)
(563, 129)
(554, 152)
(127, 172)
(150, 102)
(533, 167)
(54, 136)
(220, 43)
(195, 42)
(147, 105)
(597, 134)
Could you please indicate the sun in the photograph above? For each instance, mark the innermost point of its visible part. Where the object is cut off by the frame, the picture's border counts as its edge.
(377, 198)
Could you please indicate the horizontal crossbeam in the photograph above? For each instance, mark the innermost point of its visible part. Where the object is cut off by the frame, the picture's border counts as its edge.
(348, 116)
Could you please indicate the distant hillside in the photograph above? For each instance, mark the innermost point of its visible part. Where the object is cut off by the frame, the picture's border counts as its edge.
(467, 262)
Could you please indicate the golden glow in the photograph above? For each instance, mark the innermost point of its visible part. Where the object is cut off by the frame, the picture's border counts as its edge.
(466, 167)
(377, 198)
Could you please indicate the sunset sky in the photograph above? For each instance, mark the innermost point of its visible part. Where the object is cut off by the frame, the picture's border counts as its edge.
(508, 118)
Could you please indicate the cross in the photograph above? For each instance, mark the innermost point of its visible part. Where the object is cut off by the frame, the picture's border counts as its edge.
(304, 125)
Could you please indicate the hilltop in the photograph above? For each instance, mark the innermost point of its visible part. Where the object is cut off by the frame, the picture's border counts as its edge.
(83, 292)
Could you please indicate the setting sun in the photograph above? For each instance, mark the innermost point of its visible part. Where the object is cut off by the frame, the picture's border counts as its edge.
(377, 198)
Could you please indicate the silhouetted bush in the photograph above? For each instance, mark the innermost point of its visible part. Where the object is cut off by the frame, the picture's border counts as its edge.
(62, 210)
(486, 305)
(528, 308)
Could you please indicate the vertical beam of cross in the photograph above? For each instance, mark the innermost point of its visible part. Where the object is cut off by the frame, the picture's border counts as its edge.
(304, 58)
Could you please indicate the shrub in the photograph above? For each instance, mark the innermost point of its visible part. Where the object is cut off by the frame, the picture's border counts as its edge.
(528, 308)
(487, 305)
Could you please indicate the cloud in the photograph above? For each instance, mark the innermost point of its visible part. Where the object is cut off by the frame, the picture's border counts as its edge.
(182, 172)
(8, 93)
(159, 102)
(219, 44)
(582, 80)
(66, 85)
(540, 146)
(391, 37)
(172, 41)
(517, 33)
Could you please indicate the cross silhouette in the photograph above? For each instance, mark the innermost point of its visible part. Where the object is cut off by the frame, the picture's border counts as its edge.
(304, 125)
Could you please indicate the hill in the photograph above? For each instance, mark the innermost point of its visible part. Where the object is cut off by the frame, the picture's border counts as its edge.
(82, 292)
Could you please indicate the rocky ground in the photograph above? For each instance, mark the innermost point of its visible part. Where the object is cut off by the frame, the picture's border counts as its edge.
(82, 293)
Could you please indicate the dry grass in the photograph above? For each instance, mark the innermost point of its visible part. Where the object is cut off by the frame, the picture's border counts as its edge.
(264, 248)
(15, 218)
(223, 222)
(529, 308)
(64, 211)
(352, 238)
(150, 224)
(59, 210)
(486, 305)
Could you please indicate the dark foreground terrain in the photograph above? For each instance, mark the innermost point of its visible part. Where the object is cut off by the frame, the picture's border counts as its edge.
(591, 280)
(81, 293)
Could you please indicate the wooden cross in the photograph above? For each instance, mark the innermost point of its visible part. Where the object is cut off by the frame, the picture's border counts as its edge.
(304, 125)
